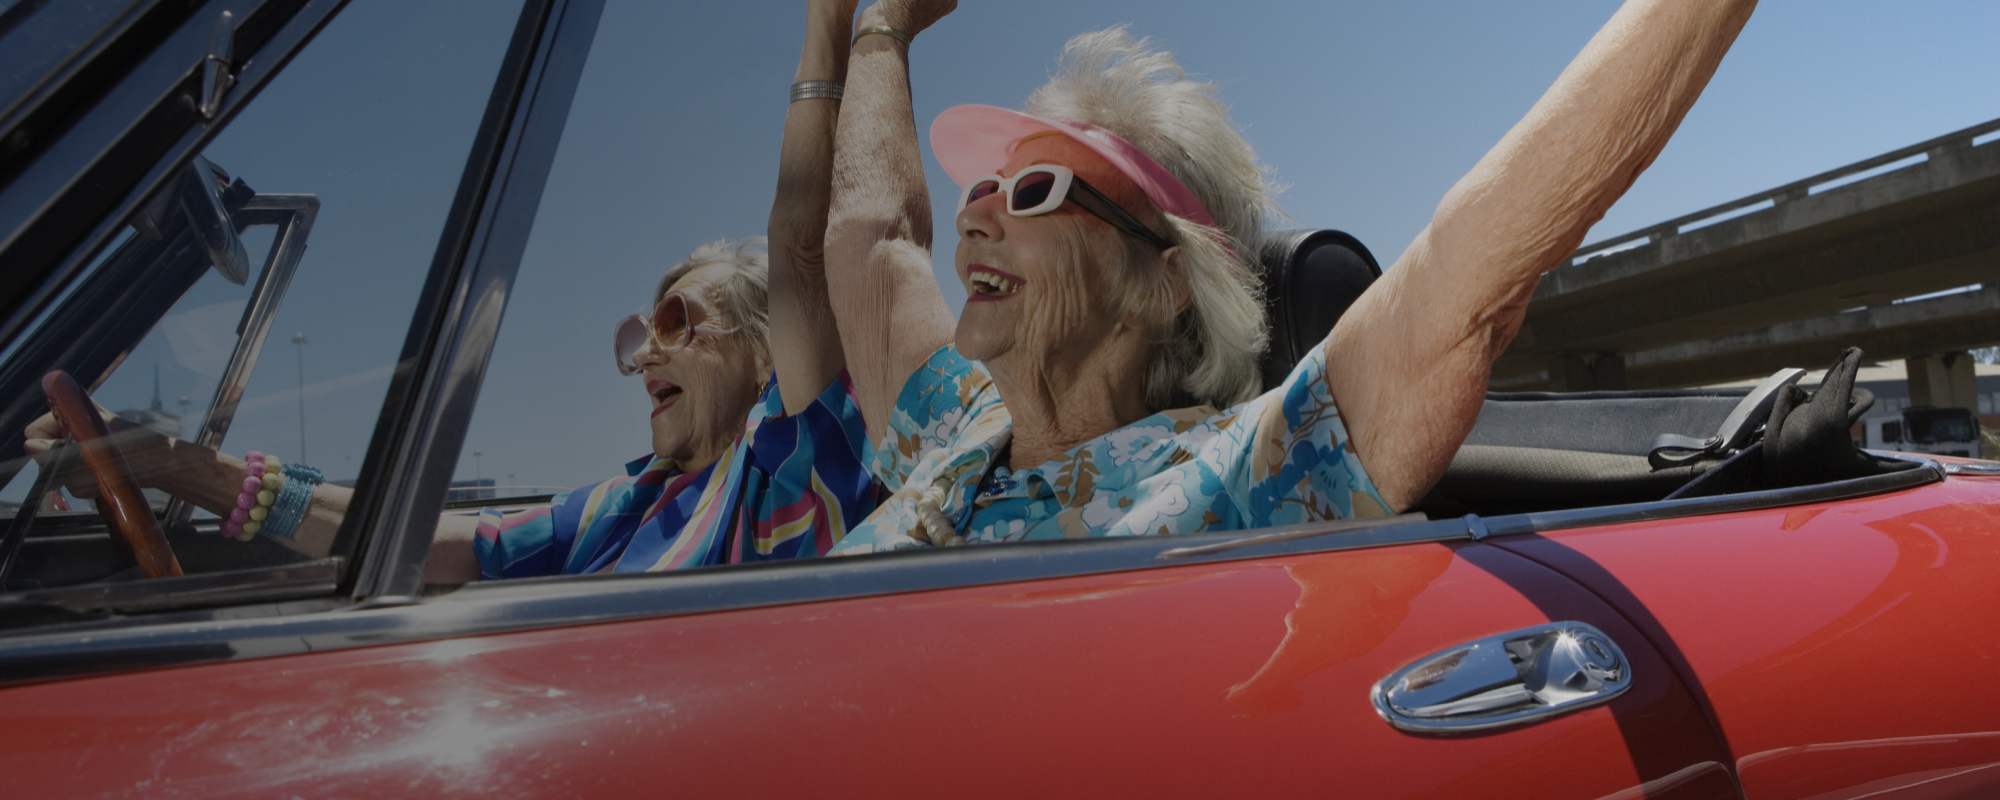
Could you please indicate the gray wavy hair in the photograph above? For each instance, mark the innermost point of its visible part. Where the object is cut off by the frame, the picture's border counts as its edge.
(745, 296)
(1109, 79)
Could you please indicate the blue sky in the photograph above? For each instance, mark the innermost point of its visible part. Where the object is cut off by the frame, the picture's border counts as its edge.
(1367, 111)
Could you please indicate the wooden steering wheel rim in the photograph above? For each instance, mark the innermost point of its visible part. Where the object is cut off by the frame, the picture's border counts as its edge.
(124, 509)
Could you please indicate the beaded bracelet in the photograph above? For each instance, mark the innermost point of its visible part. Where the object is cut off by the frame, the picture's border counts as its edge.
(261, 479)
(289, 509)
(267, 498)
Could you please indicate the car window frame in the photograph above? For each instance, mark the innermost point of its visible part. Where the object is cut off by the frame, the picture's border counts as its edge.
(406, 474)
(103, 137)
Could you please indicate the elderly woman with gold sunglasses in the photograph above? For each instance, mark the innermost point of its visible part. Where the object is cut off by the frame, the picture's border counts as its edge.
(756, 449)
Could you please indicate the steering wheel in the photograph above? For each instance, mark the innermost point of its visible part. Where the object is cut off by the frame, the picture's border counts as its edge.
(124, 509)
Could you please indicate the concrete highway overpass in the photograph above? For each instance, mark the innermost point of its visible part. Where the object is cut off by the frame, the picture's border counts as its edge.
(1784, 277)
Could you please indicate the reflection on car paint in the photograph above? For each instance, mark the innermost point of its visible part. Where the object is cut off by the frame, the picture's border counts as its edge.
(1340, 614)
(1856, 625)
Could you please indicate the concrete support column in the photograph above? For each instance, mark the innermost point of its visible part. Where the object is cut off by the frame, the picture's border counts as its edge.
(1944, 380)
(1585, 372)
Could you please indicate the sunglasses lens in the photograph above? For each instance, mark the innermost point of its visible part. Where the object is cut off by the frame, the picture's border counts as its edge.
(980, 190)
(626, 341)
(670, 320)
(1031, 191)
(674, 321)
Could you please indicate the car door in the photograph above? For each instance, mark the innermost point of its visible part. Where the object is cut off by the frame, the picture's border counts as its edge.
(1075, 669)
(1843, 643)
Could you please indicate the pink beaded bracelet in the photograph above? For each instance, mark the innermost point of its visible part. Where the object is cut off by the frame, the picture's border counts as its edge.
(263, 477)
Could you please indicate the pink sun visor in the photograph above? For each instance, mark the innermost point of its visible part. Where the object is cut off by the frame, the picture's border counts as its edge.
(974, 141)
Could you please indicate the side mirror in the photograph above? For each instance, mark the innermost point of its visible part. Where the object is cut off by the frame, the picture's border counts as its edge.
(200, 190)
(196, 199)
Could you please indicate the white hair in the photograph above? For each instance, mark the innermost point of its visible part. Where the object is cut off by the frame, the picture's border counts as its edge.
(1111, 80)
(745, 295)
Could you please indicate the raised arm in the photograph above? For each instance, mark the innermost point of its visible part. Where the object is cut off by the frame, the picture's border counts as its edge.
(805, 345)
(1409, 363)
(886, 301)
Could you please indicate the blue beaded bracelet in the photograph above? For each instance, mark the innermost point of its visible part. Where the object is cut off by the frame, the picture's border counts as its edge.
(289, 509)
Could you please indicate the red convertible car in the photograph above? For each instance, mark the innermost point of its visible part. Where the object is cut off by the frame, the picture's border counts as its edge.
(1611, 594)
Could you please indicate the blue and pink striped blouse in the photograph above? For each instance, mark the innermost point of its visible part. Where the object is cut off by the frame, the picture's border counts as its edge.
(788, 488)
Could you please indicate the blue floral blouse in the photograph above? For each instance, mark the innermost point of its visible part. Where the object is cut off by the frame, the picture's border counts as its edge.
(1281, 458)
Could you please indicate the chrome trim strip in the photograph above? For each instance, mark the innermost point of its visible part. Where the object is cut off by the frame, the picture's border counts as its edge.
(306, 579)
(1289, 533)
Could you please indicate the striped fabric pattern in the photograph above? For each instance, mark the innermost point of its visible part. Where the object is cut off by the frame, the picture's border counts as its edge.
(788, 488)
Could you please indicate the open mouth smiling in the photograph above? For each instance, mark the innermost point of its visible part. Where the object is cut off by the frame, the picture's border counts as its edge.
(664, 394)
(989, 284)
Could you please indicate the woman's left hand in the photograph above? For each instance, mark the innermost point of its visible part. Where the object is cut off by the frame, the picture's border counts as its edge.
(146, 452)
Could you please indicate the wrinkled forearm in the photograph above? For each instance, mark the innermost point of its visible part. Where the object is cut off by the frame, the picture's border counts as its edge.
(805, 158)
(1432, 326)
(878, 179)
(885, 299)
(1530, 200)
(805, 345)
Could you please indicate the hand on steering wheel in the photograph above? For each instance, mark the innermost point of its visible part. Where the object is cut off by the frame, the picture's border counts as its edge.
(124, 509)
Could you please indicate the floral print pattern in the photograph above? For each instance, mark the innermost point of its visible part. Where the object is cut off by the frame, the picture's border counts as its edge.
(1279, 459)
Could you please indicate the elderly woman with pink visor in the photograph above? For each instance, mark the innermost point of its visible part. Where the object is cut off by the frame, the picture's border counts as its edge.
(1102, 380)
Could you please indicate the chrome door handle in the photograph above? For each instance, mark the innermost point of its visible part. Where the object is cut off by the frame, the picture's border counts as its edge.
(1514, 678)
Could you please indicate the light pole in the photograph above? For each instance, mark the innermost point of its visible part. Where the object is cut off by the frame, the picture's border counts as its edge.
(300, 340)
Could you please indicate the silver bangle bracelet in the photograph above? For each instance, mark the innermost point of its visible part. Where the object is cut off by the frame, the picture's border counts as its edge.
(812, 90)
(885, 31)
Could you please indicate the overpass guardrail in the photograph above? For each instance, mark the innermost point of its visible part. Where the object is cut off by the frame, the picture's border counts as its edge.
(1921, 152)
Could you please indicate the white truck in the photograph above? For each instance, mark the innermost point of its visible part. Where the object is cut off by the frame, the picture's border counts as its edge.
(1924, 429)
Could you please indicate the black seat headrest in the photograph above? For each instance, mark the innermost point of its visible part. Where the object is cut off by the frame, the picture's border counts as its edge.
(1310, 278)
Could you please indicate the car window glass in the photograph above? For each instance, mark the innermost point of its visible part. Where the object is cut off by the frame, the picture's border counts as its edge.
(647, 173)
(633, 191)
(366, 133)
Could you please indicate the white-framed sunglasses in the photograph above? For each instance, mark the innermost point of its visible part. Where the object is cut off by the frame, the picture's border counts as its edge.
(1042, 188)
(673, 326)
